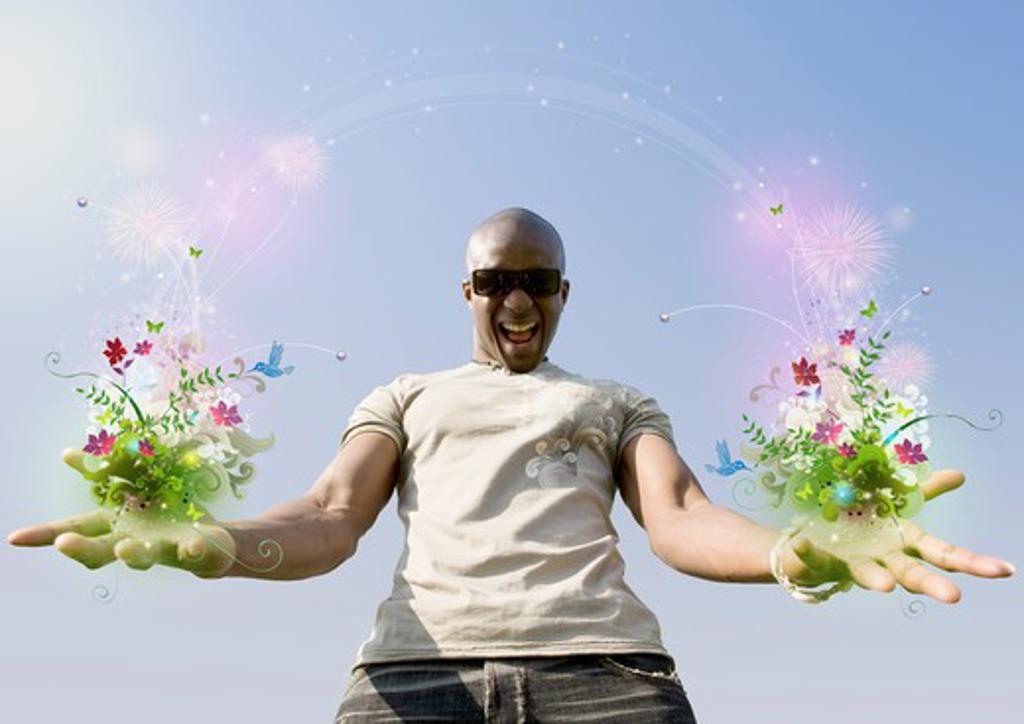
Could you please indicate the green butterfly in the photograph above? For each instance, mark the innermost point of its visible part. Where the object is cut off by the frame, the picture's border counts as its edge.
(193, 513)
(870, 310)
(904, 411)
(805, 492)
(194, 251)
(154, 327)
(776, 210)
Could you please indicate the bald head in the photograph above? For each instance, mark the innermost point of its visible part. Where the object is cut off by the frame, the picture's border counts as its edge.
(514, 226)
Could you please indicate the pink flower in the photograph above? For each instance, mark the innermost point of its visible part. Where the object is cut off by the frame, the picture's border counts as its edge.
(115, 351)
(827, 432)
(143, 347)
(846, 337)
(805, 373)
(100, 444)
(909, 453)
(847, 450)
(146, 449)
(224, 415)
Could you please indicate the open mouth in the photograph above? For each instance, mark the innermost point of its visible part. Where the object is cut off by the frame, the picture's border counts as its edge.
(518, 333)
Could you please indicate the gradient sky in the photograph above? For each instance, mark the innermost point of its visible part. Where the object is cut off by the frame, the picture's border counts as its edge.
(623, 124)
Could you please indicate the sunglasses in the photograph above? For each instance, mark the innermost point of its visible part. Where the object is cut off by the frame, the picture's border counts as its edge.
(499, 282)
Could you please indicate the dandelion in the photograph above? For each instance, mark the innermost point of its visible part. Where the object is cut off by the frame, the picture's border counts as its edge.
(841, 249)
(145, 224)
(298, 162)
(905, 364)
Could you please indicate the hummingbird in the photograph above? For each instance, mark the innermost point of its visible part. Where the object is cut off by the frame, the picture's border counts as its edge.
(726, 465)
(272, 368)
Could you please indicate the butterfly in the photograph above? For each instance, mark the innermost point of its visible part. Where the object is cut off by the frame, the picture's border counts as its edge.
(193, 513)
(904, 411)
(154, 327)
(805, 492)
(870, 310)
(194, 251)
(776, 210)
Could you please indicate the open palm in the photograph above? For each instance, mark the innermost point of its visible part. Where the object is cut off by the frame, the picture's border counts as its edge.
(809, 564)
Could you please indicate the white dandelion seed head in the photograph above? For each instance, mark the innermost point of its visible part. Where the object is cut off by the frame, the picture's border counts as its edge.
(298, 162)
(841, 249)
(906, 364)
(146, 223)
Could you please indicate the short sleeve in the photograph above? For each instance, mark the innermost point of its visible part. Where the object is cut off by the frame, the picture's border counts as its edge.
(642, 414)
(379, 411)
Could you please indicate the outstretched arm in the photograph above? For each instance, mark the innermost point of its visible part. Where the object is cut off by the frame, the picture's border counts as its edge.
(317, 531)
(694, 536)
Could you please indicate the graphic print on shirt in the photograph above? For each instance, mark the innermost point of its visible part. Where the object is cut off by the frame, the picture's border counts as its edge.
(593, 429)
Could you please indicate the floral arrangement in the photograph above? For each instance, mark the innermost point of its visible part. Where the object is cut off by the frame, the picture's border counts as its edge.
(833, 460)
(166, 435)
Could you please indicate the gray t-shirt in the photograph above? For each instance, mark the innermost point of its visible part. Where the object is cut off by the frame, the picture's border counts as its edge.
(505, 491)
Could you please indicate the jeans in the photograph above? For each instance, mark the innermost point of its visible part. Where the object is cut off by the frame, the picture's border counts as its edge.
(637, 688)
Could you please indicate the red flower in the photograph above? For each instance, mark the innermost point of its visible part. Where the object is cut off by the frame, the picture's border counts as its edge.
(100, 444)
(143, 347)
(909, 453)
(224, 415)
(115, 351)
(146, 449)
(805, 373)
(827, 432)
(846, 337)
(847, 450)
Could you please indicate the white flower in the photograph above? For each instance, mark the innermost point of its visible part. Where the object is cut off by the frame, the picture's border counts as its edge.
(228, 396)
(215, 451)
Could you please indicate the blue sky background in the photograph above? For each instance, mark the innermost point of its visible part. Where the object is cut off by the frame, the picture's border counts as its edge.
(912, 110)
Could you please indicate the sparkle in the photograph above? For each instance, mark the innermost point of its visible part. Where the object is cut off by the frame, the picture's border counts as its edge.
(625, 95)
(664, 317)
(666, 89)
(306, 87)
(814, 160)
(341, 356)
(561, 45)
(204, 118)
(639, 141)
(530, 87)
(415, 51)
(82, 202)
(719, 98)
(543, 101)
(741, 216)
(926, 290)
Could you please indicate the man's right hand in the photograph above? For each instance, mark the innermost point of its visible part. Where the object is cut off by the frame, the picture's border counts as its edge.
(207, 550)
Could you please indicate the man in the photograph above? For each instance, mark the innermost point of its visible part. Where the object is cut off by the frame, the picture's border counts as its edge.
(509, 600)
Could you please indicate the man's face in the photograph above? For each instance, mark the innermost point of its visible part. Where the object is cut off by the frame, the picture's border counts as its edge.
(492, 340)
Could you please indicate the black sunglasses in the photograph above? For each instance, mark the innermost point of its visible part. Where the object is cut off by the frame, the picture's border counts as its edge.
(498, 282)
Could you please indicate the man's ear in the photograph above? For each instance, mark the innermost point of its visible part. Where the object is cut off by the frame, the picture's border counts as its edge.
(565, 291)
(467, 292)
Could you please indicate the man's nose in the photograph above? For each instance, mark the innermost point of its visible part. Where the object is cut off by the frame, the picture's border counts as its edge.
(517, 300)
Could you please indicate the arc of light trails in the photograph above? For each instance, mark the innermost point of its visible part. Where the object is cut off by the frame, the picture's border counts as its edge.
(665, 316)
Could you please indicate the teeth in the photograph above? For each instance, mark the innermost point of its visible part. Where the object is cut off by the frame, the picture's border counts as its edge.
(518, 327)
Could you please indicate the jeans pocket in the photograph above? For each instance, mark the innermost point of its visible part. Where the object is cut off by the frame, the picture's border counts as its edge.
(648, 667)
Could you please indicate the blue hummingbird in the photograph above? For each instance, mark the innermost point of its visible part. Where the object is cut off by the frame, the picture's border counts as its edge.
(726, 465)
(272, 368)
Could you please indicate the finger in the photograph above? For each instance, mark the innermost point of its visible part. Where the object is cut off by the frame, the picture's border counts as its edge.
(951, 557)
(138, 553)
(75, 457)
(91, 552)
(941, 481)
(89, 524)
(869, 574)
(815, 558)
(917, 579)
(196, 554)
